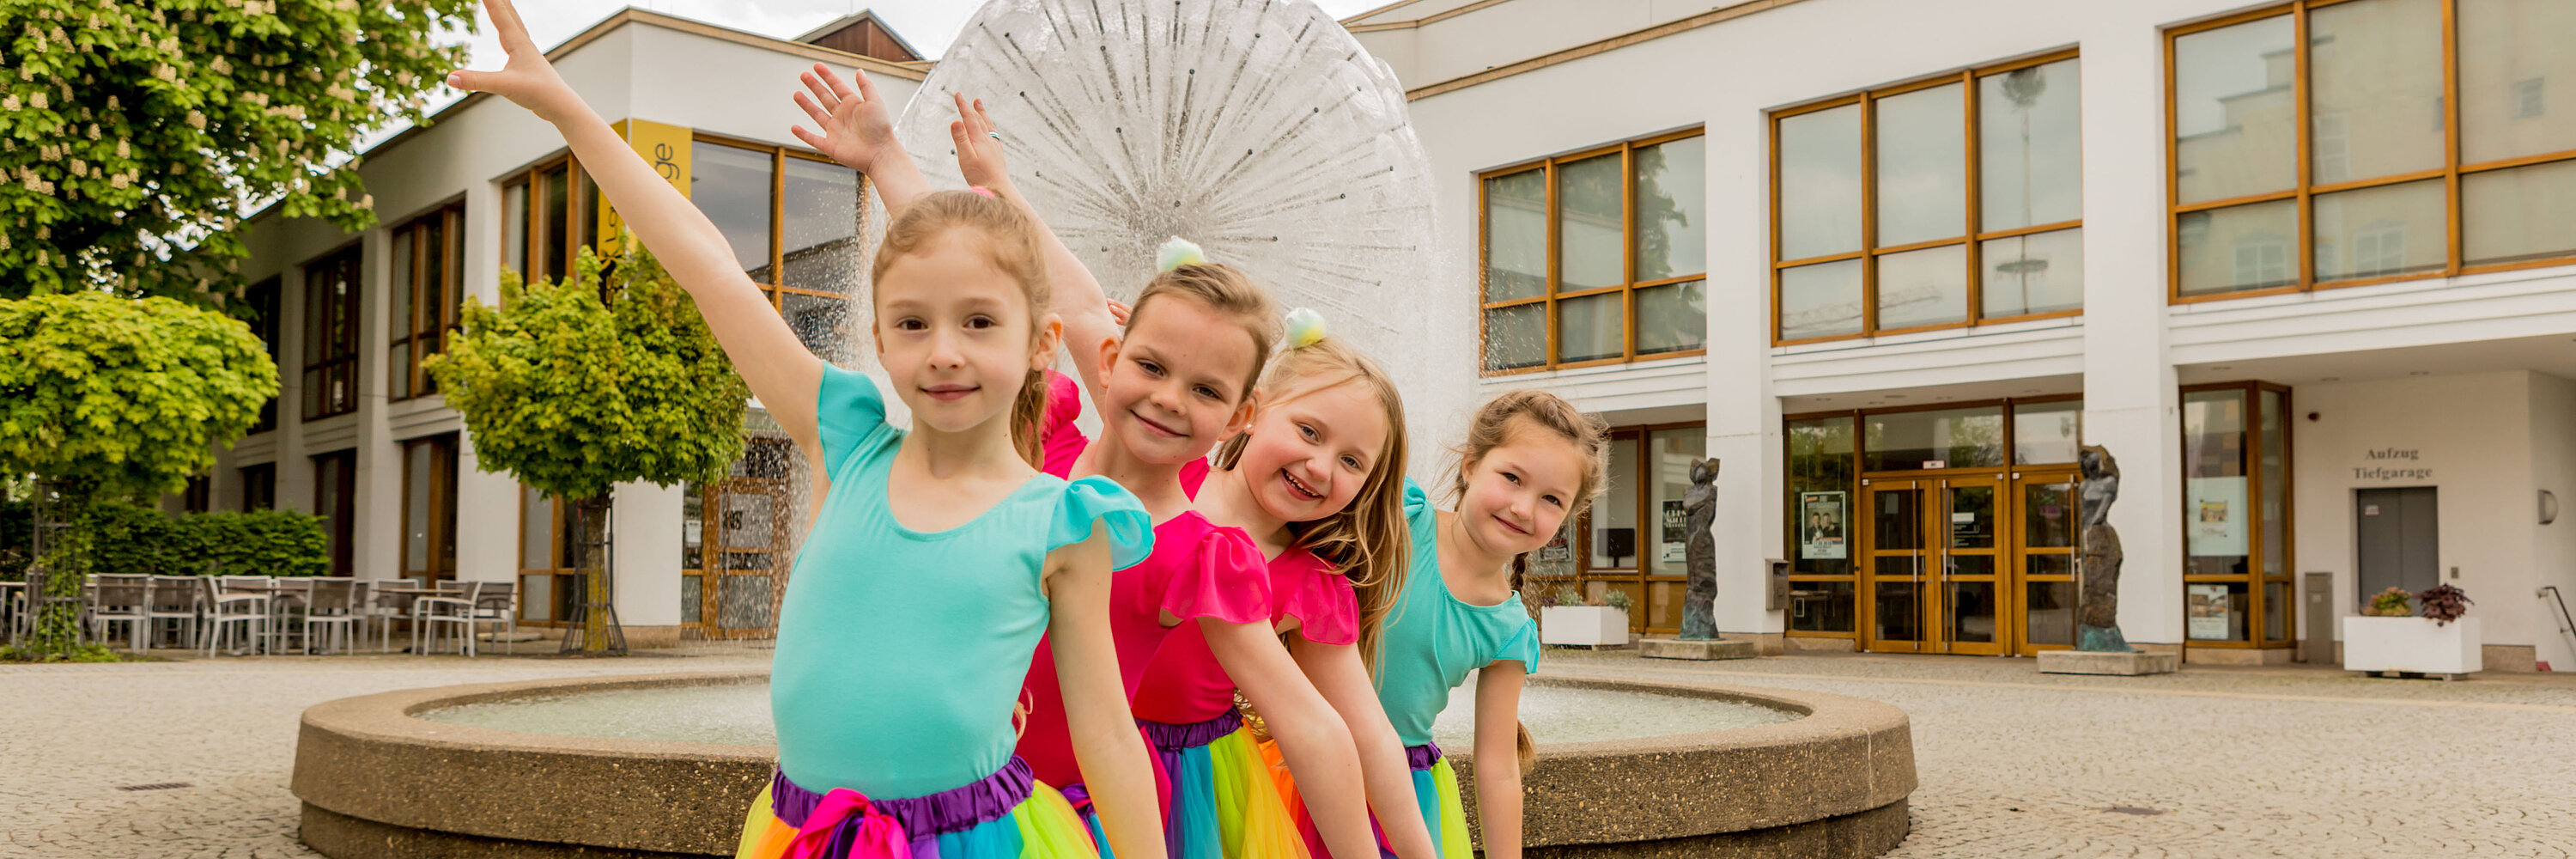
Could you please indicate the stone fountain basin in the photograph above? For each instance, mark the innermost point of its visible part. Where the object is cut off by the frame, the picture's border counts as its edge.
(376, 780)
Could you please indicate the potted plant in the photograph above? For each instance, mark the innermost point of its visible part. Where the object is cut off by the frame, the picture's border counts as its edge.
(1570, 620)
(2389, 635)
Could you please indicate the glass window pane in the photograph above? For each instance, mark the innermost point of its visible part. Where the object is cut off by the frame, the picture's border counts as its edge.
(2050, 612)
(2273, 433)
(2047, 433)
(2214, 481)
(2048, 519)
(1552, 561)
(2519, 214)
(587, 201)
(1925, 287)
(1516, 337)
(416, 507)
(2375, 89)
(1821, 300)
(1673, 317)
(2276, 611)
(693, 520)
(2372, 232)
(2030, 147)
(731, 185)
(821, 235)
(398, 372)
(536, 530)
(1820, 183)
(1922, 166)
(1972, 610)
(2036, 273)
(557, 214)
(1589, 244)
(822, 322)
(1820, 607)
(2215, 611)
(1591, 327)
(2517, 78)
(537, 603)
(1672, 208)
(452, 289)
(1820, 485)
(434, 277)
(1614, 517)
(2235, 121)
(2239, 248)
(692, 598)
(514, 229)
(1947, 438)
(1668, 492)
(402, 287)
(1516, 236)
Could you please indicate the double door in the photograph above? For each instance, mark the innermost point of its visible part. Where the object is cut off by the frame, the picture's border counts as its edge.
(1976, 562)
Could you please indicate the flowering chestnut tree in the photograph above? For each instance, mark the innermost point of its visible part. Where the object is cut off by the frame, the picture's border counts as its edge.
(134, 135)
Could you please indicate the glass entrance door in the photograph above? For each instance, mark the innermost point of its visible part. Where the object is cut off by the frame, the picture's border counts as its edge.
(2050, 516)
(1970, 597)
(1936, 578)
(1896, 556)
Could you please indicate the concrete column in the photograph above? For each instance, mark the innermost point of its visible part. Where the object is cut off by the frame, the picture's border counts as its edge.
(376, 539)
(1743, 415)
(646, 551)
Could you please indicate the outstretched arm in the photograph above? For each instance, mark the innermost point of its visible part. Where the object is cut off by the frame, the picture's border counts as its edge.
(1343, 679)
(858, 132)
(1313, 739)
(1105, 742)
(780, 370)
(1498, 760)
(1078, 297)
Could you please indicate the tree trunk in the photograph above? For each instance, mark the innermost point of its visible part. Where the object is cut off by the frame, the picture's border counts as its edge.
(56, 576)
(600, 631)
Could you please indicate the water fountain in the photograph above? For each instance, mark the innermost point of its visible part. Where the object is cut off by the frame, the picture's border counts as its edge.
(1261, 130)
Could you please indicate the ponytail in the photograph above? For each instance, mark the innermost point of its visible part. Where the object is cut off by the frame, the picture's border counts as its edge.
(1522, 747)
(1026, 410)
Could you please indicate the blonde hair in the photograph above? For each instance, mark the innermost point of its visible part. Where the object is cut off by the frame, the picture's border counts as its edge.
(1368, 541)
(1011, 244)
(1506, 417)
(1228, 291)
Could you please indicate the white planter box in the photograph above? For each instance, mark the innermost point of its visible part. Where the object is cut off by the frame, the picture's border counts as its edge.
(1582, 624)
(2411, 644)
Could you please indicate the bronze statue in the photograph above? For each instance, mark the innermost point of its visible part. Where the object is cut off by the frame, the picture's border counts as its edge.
(2098, 562)
(1699, 596)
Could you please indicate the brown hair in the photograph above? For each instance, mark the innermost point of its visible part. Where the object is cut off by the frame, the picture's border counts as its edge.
(1368, 541)
(1496, 424)
(1228, 291)
(1011, 241)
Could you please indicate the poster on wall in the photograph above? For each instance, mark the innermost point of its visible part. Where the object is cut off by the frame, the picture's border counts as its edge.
(1820, 526)
(1676, 540)
(2204, 612)
(2215, 516)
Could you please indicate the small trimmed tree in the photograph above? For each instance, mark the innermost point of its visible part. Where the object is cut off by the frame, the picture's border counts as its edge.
(573, 394)
(131, 134)
(106, 396)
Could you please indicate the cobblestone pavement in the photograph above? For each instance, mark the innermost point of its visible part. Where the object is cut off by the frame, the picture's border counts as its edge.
(2231, 762)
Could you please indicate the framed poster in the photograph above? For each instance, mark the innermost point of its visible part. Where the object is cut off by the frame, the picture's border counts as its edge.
(1676, 530)
(1820, 526)
(2204, 611)
(2215, 516)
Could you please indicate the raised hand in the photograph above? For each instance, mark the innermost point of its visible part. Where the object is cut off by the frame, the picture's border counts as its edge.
(979, 148)
(528, 79)
(855, 128)
(1119, 312)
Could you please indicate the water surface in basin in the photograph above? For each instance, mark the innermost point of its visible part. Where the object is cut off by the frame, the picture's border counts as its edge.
(738, 714)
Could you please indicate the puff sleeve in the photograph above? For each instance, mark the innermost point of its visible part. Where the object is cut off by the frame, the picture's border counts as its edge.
(1097, 500)
(1217, 573)
(1326, 608)
(1521, 643)
(1058, 438)
(849, 412)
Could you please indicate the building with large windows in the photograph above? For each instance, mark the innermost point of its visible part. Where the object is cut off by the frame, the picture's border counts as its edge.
(361, 435)
(2307, 270)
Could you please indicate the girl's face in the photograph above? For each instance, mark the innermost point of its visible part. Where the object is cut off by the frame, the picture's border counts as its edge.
(1310, 453)
(955, 333)
(1519, 492)
(1174, 385)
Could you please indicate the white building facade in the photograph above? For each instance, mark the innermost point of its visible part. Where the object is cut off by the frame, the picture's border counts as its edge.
(2306, 270)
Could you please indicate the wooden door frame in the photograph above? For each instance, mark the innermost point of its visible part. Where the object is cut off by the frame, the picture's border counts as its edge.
(1939, 613)
(2019, 564)
(1865, 576)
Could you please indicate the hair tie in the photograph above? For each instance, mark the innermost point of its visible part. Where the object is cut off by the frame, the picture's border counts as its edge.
(984, 191)
(1305, 328)
(1176, 253)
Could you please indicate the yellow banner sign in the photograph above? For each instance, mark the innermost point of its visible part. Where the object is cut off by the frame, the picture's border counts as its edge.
(666, 148)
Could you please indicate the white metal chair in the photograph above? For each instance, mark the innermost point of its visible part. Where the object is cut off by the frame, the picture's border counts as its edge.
(121, 598)
(289, 599)
(429, 613)
(386, 607)
(174, 601)
(330, 603)
(497, 606)
(228, 602)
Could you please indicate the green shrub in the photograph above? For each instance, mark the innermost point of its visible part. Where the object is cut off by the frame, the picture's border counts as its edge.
(136, 539)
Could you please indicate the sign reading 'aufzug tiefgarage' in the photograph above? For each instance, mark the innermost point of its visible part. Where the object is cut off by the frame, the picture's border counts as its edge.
(2381, 472)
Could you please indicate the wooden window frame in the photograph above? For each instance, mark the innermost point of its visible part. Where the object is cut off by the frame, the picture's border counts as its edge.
(2303, 191)
(2257, 635)
(775, 287)
(1971, 235)
(267, 309)
(331, 350)
(443, 503)
(258, 486)
(1552, 294)
(341, 525)
(566, 584)
(1635, 573)
(427, 331)
(579, 210)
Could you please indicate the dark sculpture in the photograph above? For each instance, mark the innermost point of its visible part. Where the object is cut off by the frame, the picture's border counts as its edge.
(2098, 562)
(1699, 597)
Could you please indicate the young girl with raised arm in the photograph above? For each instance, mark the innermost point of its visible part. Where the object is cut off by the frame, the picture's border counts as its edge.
(1176, 381)
(1530, 462)
(944, 553)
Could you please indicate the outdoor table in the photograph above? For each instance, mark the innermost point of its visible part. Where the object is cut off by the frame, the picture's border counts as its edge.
(402, 610)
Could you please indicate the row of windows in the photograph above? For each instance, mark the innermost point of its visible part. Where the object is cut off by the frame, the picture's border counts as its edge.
(1597, 257)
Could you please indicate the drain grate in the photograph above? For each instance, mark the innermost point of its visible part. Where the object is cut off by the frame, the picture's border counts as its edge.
(2131, 809)
(164, 785)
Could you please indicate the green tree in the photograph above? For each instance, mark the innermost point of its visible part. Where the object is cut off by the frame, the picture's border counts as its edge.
(133, 134)
(103, 396)
(574, 389)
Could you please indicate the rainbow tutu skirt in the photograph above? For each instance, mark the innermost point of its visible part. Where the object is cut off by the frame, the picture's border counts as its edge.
(1007, 815)
(1435, 789)
(1224, 803)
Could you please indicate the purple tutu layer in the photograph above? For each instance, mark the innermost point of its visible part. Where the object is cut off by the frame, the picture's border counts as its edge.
(1423, 756)
(1194, 734)
(924, 818)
